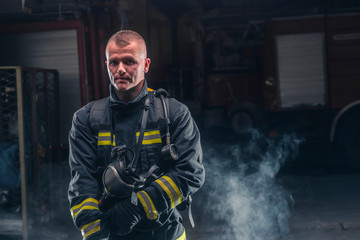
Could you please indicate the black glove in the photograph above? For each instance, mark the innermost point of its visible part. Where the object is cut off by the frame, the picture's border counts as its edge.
(124, 216)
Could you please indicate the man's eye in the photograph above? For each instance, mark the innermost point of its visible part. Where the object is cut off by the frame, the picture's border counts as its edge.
(129, 62)
(114, 63)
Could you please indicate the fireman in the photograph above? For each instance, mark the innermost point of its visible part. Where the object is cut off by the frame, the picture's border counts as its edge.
(149, 212)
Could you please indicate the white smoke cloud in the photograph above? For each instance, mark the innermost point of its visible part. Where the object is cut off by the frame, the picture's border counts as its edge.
(243, 199)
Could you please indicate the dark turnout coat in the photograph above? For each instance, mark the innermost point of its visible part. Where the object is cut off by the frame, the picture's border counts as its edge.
(90, 153)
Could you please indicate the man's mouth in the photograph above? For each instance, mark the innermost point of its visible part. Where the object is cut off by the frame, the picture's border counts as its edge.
(122, 79)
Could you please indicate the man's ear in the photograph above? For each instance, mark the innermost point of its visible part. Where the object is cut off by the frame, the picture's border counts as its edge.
(147, 65)
(106, 62)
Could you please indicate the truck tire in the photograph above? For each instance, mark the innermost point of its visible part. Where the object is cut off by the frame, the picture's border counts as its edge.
(348, 140)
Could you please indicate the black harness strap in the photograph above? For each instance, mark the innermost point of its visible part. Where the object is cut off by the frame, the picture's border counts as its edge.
(141, 135)
(142, 177)
(160, 115)
(97, 114)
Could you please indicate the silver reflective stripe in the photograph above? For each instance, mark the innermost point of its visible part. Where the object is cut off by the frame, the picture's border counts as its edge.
(150, 137)
(104, 138)
(85, 205)
(148, 205)
(89, 204)
(90, 228)
(173, 192)
(172, 195)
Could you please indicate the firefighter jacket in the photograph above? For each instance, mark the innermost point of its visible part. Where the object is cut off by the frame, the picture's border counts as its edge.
(89, 154)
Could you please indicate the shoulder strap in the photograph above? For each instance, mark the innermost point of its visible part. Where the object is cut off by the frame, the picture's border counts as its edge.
(160, 114)
(159, 105)
(97, 114)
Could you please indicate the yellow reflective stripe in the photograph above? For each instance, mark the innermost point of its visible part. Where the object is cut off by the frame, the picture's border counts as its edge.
(89, 203)
(148, 205)
(145, 206)
(90, 228)
(86, 200)
(104, 134)
(149, 133)
(104, 138)
(174, 186)
(151, 141)
(182, 237)
(85, 207)
(103, 143)
(168, 185)
(150, 89)
(150, 137)
(168, 192)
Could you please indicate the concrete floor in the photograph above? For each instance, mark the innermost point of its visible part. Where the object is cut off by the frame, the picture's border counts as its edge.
(239, 200)
(325, 207)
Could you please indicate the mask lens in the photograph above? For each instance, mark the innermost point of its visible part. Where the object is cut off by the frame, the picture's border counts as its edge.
(114, 183)
(109, 180)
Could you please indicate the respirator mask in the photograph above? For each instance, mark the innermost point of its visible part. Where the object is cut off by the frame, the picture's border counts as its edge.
(120, 180)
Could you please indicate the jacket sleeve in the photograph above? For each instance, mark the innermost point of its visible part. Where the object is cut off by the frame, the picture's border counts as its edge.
(186, 175)
(84, 189)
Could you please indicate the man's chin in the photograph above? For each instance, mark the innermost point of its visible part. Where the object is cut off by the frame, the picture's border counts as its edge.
(126, 86)
(122, 87)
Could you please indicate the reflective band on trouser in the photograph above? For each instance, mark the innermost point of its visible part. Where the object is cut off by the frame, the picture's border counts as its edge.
(182, 237)
(90, 228)
(104, 138)
(168, 185)
(148, 205)
(150, 137)
(89, 203)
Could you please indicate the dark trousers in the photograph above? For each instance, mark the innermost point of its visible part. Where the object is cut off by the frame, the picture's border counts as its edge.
(172, 231)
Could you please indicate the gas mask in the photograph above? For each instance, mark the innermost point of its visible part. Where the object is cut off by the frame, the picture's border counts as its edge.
(118, 180)
(119, 177)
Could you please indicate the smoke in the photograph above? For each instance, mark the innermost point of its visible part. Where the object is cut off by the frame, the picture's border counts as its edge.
(243, 199)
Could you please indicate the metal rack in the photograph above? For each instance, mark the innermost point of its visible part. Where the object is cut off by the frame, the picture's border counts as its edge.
(29, 113)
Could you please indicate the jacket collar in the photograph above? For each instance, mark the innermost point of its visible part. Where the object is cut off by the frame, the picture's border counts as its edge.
(115, 103)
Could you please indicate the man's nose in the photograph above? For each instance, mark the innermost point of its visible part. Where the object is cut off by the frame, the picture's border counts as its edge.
(121, 68)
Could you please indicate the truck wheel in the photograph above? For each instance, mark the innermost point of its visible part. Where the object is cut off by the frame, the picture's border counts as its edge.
(241, 122)
(349, 139)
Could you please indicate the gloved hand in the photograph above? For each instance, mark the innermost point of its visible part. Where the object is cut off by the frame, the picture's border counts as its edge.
(124, 216)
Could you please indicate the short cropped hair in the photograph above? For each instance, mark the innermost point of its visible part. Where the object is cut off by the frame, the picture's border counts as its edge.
(123, 38)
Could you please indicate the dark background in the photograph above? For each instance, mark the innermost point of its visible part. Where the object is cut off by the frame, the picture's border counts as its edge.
(275, 74)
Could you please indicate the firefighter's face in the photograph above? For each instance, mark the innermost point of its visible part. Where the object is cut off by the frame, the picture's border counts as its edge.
(127, 65)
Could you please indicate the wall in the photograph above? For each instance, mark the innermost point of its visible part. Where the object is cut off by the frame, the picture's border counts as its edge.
(50, 50)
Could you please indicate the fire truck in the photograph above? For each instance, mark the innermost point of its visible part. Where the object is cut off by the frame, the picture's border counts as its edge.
(281, 75)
